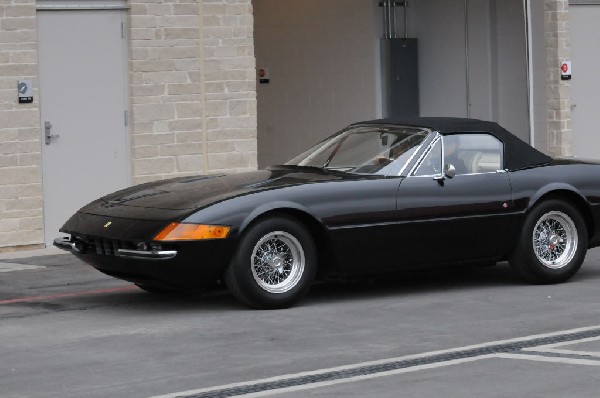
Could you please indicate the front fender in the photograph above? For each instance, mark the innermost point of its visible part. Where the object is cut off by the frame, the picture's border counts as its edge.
(269, 207)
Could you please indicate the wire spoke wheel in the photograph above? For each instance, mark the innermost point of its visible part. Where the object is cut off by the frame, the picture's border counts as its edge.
(277, 262)
(555, 239)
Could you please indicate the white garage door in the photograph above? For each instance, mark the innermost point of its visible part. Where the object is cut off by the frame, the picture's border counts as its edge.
(585, 57)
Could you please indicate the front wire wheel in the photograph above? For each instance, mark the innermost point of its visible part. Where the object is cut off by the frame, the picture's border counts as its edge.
(275, 264)
(552, 244)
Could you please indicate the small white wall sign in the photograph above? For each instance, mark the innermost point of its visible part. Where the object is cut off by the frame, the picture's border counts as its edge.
(565, 70)
(25, 88)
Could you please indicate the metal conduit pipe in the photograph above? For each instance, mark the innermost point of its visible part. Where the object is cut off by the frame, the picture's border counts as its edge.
(389, 18)
(386, 24)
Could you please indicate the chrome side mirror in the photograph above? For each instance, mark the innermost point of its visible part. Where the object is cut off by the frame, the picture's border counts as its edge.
(449, 170)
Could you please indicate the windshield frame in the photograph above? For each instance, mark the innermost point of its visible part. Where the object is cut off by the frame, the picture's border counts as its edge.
(330, 145)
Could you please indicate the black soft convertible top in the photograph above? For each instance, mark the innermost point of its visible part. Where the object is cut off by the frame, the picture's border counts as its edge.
(517, 153)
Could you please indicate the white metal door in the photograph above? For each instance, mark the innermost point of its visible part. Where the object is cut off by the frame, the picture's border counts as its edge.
(585, 84)
(82, 93)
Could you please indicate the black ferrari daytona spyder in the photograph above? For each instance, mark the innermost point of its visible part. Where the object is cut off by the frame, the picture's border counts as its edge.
(377, 197)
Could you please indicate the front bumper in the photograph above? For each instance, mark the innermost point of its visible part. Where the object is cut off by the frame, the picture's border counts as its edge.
(66, 243)
(188, 265)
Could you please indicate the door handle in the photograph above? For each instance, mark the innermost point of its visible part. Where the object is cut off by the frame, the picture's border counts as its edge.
(48, 131)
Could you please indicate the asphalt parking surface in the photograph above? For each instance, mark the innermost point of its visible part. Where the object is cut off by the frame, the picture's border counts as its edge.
(69, 331)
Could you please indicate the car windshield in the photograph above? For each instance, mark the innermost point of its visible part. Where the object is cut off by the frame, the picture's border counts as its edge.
(364, 150)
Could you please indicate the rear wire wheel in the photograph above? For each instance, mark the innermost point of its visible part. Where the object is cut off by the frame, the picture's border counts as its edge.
(275, 264)
(552, 244)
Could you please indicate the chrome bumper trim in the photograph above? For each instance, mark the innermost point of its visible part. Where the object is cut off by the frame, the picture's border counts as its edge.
(147, 255)
(65, 243)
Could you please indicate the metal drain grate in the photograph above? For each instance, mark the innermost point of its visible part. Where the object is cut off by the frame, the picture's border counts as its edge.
(394, 365)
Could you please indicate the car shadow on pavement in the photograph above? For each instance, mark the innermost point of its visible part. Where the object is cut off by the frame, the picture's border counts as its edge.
(408, 284)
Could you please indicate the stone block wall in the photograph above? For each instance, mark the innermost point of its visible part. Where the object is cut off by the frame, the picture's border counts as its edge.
(192, 83)
(21, 222)
(558, 92)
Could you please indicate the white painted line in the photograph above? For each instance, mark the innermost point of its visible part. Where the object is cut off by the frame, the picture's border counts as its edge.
(363, 377)
(379, 362)
(540, 358)
(322, 383)
(551, 348)
(10, 267)
(594, 354)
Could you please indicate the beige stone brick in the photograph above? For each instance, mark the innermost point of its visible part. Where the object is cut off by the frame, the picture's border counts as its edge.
(159, 9)
(29, 147)
(183, 98)
(30, 134)
(154, 166)
(186, 88)
(182, 33)
(180, 149)
(192, 64)
(143, 34)
(190, 163)
(238, 107)
(19, 175)
(189, 136)
(153, 65)
(220, 32)
(245, 145)
(185, 124)
(214, 9)
(238, 122)
(30, 159)
(148, 90)
(20, 10)
(18, 23)
(146, 151)
(31, 223)
(21, 238)
(30, 190)
(185, 9)
(9, 191)
(188, 110)
(178, 52)
(181, 21)
(144, 21)
(153, 139)
(9, 225)
(23, 204)
(154, 112)
(19, 119)
(17, 36)
(216, 108)
(221, 146)
(8, 160)
(139, 100)
(215, 87)
(165, 77)
(161, 126)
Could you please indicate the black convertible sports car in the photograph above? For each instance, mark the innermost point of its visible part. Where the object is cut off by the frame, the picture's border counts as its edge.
(379, 196)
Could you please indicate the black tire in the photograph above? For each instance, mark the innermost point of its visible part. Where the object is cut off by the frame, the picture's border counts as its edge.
(275, 264)
(559, 232)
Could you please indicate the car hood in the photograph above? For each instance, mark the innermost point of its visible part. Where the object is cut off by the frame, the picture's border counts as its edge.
(182, 195)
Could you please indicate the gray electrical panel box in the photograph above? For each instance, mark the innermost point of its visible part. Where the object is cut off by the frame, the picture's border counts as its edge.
(400, 75)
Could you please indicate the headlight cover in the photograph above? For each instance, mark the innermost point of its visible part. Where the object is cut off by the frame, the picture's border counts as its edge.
(183, 231)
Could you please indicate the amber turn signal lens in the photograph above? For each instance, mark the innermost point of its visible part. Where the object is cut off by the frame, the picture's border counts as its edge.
(177, 231)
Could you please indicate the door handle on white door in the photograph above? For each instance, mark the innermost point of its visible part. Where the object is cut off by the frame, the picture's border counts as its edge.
(48, 130)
